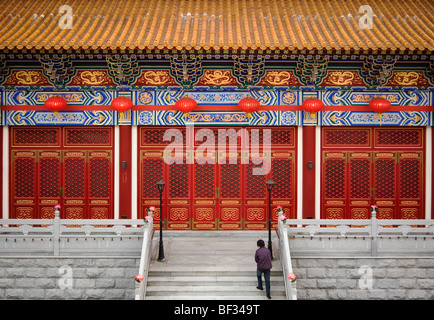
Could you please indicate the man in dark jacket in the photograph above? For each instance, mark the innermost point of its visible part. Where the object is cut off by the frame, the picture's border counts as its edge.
(263, 262)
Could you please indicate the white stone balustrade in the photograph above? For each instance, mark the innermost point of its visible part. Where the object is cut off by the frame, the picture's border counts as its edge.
(71, 236)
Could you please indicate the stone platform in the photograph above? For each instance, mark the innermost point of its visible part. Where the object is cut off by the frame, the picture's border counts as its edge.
(211, 265)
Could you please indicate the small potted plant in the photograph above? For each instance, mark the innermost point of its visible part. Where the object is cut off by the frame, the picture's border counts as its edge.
(150, 212)
(57, 208)
(281, 213)
(291, 277)
(139, 278)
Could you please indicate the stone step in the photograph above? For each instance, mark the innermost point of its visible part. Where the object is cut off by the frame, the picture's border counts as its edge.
(216, 289)
(206, 282)
(210, 266)
(214, 297)
(210, 285)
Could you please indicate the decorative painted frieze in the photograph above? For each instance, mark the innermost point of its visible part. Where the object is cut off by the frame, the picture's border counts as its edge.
(367, 118)
(186, 70)
(124, 70)
(361, 97)
(23, 96)
(311, 71)
(377, 70)
(248, 71)
(36, 117)
(58, 70)
(177, 118)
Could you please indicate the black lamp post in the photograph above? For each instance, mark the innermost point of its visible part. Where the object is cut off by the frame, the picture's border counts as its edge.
(270, 185)
(160, 185)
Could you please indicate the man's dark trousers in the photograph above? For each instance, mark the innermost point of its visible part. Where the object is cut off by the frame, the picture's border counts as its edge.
(266, 273)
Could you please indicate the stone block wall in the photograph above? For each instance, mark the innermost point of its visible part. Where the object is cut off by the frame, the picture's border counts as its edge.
(325, 278)
(364, 278)
(67, 278)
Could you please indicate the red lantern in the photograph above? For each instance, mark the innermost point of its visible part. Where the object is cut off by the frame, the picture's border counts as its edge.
(186, 105)
(312, 105)
(122, 104)
(380, 105)
(249, 105)
(55, 104)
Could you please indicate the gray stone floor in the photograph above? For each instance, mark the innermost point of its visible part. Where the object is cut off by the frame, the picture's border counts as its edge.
(210, 265)
(217, 249)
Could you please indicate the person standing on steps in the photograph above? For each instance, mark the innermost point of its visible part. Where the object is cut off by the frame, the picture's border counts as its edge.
(263, 263)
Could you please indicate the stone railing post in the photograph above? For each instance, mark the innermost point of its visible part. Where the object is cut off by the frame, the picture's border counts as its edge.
(374, 232)
(56, 233)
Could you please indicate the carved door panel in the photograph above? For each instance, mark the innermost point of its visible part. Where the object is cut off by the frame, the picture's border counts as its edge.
(179, 180)
(79, 178)
(74, 180)
(229, 191)
(283, 176)
(360, 185)
(205, 194)
(87, 185)
(410, 173)
(385, 184)
(255, 197)
(213, 193)
(100, 185)
(385, 168)
(24, 185)
(335, 175)
(49, 182)
(151, 171)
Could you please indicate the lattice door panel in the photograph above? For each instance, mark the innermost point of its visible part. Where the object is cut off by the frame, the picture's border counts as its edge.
(100, 184)
(74, 177)
(49, 184)
(255, 197)
(410, 171)
(44, 174)
(151, 171)
(39, 137)
(229, 191)
(284, 191)
(204, 186)
(179, 182)
(374, 173)
(359, 189)
(385, 184)
(335, 175)
(24, 185)
(218, 195)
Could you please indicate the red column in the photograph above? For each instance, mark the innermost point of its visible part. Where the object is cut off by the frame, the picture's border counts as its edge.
(308, 172)
(125, 172)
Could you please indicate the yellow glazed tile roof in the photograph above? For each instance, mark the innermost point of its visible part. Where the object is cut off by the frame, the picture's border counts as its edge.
(217, 24)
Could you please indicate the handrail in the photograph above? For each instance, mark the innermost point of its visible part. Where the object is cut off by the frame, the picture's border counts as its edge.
(285, 258)
(145, 259)
(52, 236)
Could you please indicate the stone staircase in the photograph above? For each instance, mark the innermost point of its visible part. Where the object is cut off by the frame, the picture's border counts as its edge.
(210, 266)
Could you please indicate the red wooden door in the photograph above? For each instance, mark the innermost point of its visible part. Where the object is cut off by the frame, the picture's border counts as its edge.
(381, 166)
(221, 191)
(229, 191)
(24, 185)
(44, 174)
